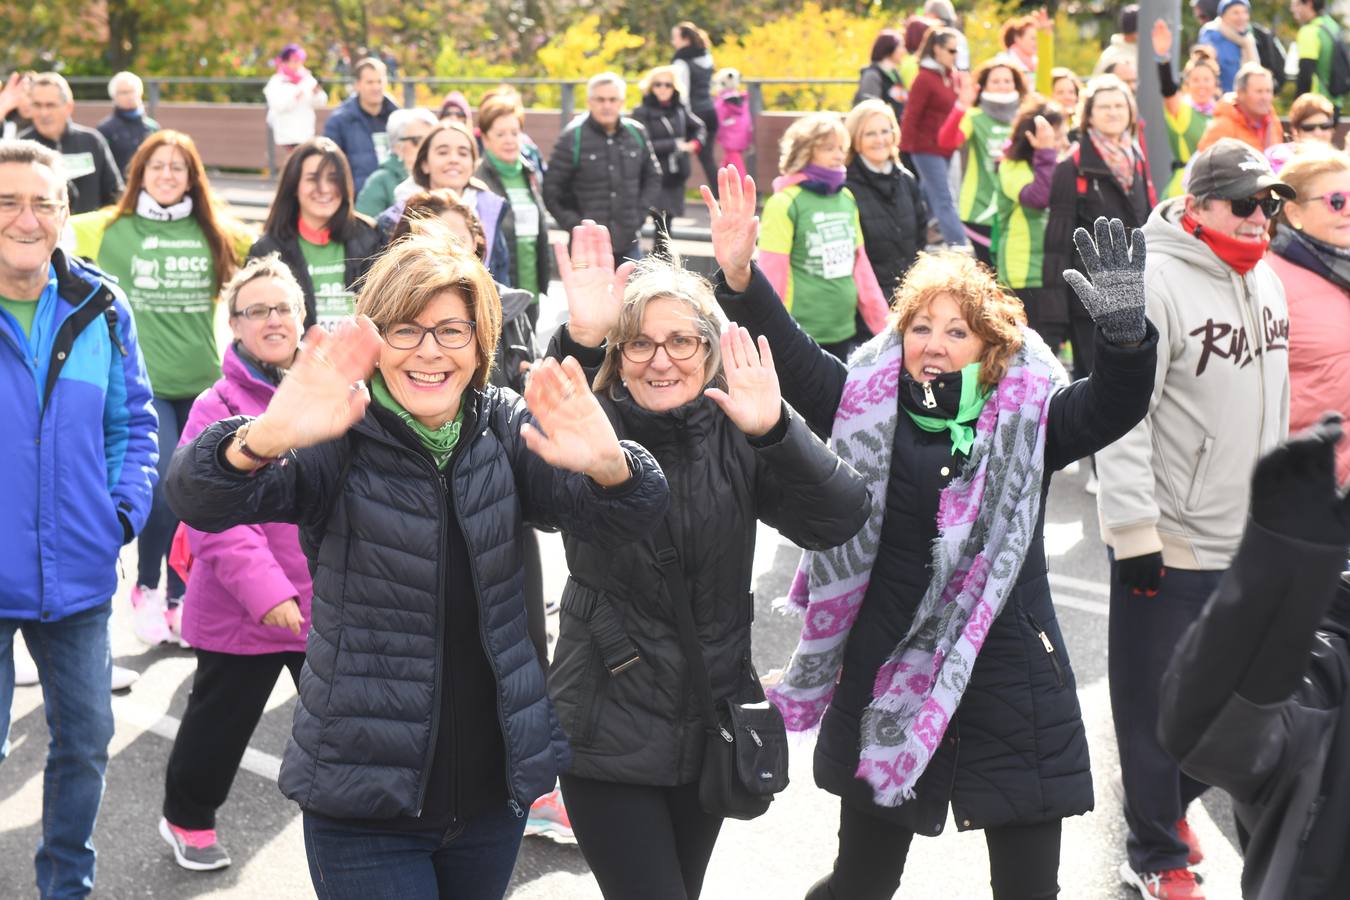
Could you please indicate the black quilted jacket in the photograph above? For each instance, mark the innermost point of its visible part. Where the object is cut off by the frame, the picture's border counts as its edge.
(1015, 752)
(370, 511)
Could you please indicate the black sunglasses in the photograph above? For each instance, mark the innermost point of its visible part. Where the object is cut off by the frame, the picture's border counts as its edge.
(1307, 127)
(1245, 206)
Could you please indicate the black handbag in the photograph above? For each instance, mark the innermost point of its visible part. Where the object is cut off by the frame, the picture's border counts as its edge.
(745, 760)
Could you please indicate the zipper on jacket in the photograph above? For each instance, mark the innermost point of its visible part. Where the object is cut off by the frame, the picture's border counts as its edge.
(1311, 822)
(1049, 648)
(425, 778)
(929, 401)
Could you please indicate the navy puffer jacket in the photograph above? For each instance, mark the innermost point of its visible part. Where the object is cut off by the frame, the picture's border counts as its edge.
(371, 511)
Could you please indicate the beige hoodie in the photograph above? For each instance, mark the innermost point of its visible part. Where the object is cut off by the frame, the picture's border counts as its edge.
(1179, 481)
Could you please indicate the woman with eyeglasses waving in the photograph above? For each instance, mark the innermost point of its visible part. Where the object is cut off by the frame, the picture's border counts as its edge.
(1311, 254)
(171, 246)
(423, 729)
(246, 611)
(708, 408)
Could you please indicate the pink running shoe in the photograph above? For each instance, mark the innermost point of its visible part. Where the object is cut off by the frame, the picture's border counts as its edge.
(195, 850)
(548, 818)
(148, 615)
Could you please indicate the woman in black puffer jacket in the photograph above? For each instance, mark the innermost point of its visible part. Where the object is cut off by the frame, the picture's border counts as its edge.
(423, 728)
(675, 133)
(890, 203)
(734, 455)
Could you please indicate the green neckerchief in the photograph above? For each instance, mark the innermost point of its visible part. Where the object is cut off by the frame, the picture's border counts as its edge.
(516, 168)
(961, 425)
(439, 442)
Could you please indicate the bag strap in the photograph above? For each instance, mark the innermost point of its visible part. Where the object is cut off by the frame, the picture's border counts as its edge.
(668, 562)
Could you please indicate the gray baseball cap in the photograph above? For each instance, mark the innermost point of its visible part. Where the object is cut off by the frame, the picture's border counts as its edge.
(1231, 169)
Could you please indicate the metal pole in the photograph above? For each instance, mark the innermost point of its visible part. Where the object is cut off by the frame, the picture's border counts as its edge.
(568, 102)
(1150, 96)
(409, 94)
(153, 99)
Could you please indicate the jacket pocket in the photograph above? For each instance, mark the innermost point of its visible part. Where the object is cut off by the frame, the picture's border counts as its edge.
(1201, 470)
(1056, 659)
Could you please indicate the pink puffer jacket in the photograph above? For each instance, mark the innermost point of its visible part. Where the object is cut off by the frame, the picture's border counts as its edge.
(242, 572)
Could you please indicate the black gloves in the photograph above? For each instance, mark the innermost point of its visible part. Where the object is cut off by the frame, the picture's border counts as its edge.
(1294, 487)
(1141, 574)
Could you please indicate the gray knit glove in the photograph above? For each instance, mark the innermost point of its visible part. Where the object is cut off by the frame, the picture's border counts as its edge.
(1115, 295)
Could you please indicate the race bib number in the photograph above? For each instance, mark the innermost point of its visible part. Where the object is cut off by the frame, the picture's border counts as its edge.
(381, 141)
(527, 219)
(77, 165)
(836, 258)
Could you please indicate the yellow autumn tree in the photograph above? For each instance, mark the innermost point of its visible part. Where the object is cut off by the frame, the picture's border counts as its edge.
(583, 50)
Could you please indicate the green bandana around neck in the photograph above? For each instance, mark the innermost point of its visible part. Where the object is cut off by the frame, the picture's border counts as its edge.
(962, 425)
(439, 442)
(505, 168)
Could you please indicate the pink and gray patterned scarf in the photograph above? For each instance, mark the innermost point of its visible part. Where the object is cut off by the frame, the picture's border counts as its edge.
(986, 521)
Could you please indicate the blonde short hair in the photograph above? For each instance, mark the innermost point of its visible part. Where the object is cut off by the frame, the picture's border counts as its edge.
(857, 119)
(658, 278)
(804, 135)
(416, 270)
(269, 266)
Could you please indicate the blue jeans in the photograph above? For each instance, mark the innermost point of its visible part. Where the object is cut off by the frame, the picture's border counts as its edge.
(471, 861)
(937, 193)
(74, 662)
(152, 547)
(1142, 636)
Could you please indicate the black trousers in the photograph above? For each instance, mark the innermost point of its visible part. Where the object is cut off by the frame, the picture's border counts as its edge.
(1023, 860)
(639, 840)
(229, 694)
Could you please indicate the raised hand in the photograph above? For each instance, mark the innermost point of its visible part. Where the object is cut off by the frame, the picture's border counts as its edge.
(1294, 486)
(734, 225)
(594, 288)
(752, 400)
(1044, 136)
(320, 397)
(1043, 20)
(573, 432)
(967, 89)
(1115, 295)
(1162, 39)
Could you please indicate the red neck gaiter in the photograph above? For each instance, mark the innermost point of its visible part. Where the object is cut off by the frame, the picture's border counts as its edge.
(319, 236)
(1242, 256)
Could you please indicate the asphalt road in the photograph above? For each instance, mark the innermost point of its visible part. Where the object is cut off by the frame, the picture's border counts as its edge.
(777, 856)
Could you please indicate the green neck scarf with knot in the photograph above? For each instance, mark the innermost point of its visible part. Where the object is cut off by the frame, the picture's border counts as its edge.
(962, 425)
(439, 442)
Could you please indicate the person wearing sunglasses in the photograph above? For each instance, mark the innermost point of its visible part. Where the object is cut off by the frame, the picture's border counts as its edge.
(1310, 252)
(247, 606)
(423, 730)
(1174, 491)
(676, 134)
(707, 405)
(1312, 123)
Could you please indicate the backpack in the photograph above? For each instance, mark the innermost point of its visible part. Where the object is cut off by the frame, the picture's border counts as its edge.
(1338, 84)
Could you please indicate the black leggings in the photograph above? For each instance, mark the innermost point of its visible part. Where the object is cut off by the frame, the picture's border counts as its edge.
(641, 841)
(1023, 860)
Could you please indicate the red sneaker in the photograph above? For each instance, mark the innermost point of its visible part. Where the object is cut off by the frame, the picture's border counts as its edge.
(1174, 884)
(1195, 855)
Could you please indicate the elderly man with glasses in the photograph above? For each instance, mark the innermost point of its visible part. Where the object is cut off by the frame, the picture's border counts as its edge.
(1174, 491)
(80, 451)
(92, 174)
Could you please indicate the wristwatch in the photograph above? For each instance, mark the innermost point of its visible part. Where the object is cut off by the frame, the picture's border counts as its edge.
(241, 444)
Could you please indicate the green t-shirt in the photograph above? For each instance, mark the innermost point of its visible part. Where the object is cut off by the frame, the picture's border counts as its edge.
(167, 272)
(1184, 131)
(820, 234)
(1315, 43)
(1020, 248)
(328, 270)
(985, 137)
(24, 311)
(528, 221)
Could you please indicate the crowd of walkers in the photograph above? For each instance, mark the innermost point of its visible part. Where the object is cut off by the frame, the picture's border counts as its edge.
(879, 370)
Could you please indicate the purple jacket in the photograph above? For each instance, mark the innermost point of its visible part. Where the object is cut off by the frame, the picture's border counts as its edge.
(244, 571)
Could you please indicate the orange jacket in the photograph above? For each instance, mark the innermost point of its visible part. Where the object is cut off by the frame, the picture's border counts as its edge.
(1229, 121)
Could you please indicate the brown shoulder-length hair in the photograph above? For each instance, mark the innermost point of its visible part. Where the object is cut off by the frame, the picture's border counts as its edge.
(419, 268)
(220, 229)
(284, 218)
(426, 205)
(422, 179)
(1024, 125)
(993, 315)
(987, 68)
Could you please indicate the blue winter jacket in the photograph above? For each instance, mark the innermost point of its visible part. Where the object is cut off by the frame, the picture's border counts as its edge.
(78, 446)
(351, 128)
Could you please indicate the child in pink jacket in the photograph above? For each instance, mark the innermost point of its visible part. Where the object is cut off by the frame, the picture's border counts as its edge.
(247, 606)
(735, 127)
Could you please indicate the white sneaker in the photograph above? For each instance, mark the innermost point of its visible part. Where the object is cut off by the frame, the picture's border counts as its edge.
(123, 678)
(148, 609)
(1092, 484)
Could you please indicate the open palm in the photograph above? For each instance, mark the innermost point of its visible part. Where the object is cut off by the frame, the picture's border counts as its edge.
(319, 399)
(594, 288)
(734, 225)
(572, 431)
(752, 399)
